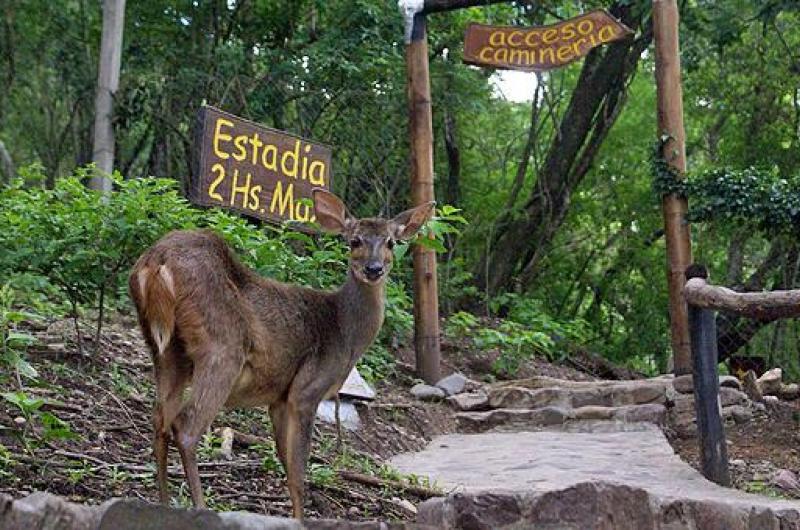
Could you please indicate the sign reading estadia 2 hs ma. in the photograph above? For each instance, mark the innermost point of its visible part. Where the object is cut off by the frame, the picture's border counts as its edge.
(542, 47)
(255, 170)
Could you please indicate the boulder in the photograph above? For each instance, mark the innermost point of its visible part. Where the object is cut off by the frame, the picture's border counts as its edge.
(751, 387)
(427, 392)
(469, 401)
(730, 381)
(452, 384)
(737, 413)
(785, 480)
(770, 382)
(684, 384)
(789, 392)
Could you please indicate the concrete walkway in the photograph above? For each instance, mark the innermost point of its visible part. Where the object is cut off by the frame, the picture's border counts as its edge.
(606, 474)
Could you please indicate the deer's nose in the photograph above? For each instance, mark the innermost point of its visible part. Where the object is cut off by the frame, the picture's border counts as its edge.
(373, 269)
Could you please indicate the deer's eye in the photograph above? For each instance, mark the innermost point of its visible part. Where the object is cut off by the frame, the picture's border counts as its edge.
(355, 242)
(390, 243)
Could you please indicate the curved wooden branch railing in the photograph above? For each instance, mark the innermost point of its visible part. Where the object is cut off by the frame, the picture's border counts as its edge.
(703, 300)
(760, 306)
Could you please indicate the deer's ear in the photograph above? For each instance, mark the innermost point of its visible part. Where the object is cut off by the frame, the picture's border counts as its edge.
(330, 211)
(406, 224)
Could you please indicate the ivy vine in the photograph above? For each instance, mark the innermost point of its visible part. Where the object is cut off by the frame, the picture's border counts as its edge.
(759, 198)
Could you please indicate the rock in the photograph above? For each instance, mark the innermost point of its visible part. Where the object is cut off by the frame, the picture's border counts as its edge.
(737, 413)
(585, 394)
(730, 381)
(770, 382)
(452, 384)
(427, 392)
(648, 413)
(594, 412)
(751, 387)
(789, 392)
(405, 504)
(684, 384)
(355, 387)
(771, 400)
(226, 448)
(475, 422)
(19, 421)
(469, 401)
(785, 480)
(45, 510)
(348, 415)
(730, 396)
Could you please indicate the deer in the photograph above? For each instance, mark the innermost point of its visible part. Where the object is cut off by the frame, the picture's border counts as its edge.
(235, 339)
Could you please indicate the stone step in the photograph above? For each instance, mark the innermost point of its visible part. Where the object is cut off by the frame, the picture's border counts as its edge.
(520, 419)
(608, 394)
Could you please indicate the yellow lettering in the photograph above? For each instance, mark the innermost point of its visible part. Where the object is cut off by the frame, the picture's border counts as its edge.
(269, 157)
(318, 178)
(512, 42)
(564, 53)
(568, 31)
(549, 36)
(497, 38)
(240, 142)
(501, 55)
(607, 33)
(547, 51)
(576, 46)
(585, 27)
(530, 38)
(239, 189)
(220, 136)
(254, 198)
(305, 215)
(516, 56)
(485, 55)
(256, 143)
(212, 189)
(307, 150)
(283, 200)
(294, 155)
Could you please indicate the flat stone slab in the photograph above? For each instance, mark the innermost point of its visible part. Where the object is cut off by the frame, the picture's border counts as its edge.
(635, 456)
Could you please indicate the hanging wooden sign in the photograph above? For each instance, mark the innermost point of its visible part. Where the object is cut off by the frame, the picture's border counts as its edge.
(541, 47)
(260, 172)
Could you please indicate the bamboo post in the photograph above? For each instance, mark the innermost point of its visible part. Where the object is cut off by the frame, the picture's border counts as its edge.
(710, 428)
(426, 299)
(670, 123)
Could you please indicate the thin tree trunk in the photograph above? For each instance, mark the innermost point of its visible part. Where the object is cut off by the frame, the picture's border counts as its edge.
(7, 170)
(107, 84)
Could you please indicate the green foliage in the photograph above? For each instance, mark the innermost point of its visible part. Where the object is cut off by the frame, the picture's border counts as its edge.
(40, 426)
(14, 342)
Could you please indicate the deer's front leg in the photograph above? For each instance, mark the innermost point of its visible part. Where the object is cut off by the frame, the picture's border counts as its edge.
(277, 414)
(299, 424)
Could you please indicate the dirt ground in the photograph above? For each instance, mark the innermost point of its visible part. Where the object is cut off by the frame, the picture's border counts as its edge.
(105, 397)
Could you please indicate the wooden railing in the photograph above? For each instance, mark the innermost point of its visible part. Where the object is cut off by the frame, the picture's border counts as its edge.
(703, 300)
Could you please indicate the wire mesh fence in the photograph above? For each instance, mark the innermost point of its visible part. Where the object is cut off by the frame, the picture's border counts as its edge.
(749, 344)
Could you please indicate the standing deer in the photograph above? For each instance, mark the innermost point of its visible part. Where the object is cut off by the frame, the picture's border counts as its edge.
(240, 340)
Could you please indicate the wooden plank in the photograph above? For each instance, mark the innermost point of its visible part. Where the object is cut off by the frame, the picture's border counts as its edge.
(670, 123)
(770, 305)
(426, 298)
(710, 428)
(255, 170)
(539, 48)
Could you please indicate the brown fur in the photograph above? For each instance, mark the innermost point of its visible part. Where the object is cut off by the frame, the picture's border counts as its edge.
(240, 340)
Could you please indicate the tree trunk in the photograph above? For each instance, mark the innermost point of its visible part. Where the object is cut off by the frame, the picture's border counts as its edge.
(521, 241)
(7, 170)
(107, 84)
(452, 193)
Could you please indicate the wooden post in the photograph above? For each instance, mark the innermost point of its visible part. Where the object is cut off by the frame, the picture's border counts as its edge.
(426, 298)
(107, 84)
(670, 123)
(710, 429)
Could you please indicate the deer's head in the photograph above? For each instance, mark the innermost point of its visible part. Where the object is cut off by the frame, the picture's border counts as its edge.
(371, 240)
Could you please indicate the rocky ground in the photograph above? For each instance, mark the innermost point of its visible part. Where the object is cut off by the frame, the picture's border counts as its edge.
(103, 450)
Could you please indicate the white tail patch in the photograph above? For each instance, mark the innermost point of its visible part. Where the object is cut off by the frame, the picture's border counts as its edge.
(141, 277)
(166, 275)
(161, 336)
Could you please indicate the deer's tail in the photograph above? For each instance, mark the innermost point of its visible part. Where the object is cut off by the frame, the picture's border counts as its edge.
(153, 290)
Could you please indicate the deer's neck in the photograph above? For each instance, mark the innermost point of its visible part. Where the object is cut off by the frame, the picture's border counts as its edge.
(360, 310)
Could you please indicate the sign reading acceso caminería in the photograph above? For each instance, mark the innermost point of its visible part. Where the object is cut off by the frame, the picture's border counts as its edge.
(255, 170)
(541, 47)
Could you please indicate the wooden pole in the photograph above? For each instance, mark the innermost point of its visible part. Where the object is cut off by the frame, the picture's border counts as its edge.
(426, 299)
(670, 123)
(107, 84)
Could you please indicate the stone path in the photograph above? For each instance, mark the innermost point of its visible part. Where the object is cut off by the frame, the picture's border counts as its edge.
(597, 474)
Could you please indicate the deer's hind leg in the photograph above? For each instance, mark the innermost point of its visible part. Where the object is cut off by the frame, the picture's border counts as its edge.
(172, 373)
(215, 372)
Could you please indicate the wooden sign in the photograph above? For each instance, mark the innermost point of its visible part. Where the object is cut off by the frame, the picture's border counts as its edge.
(541, 47)
(255, 170)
